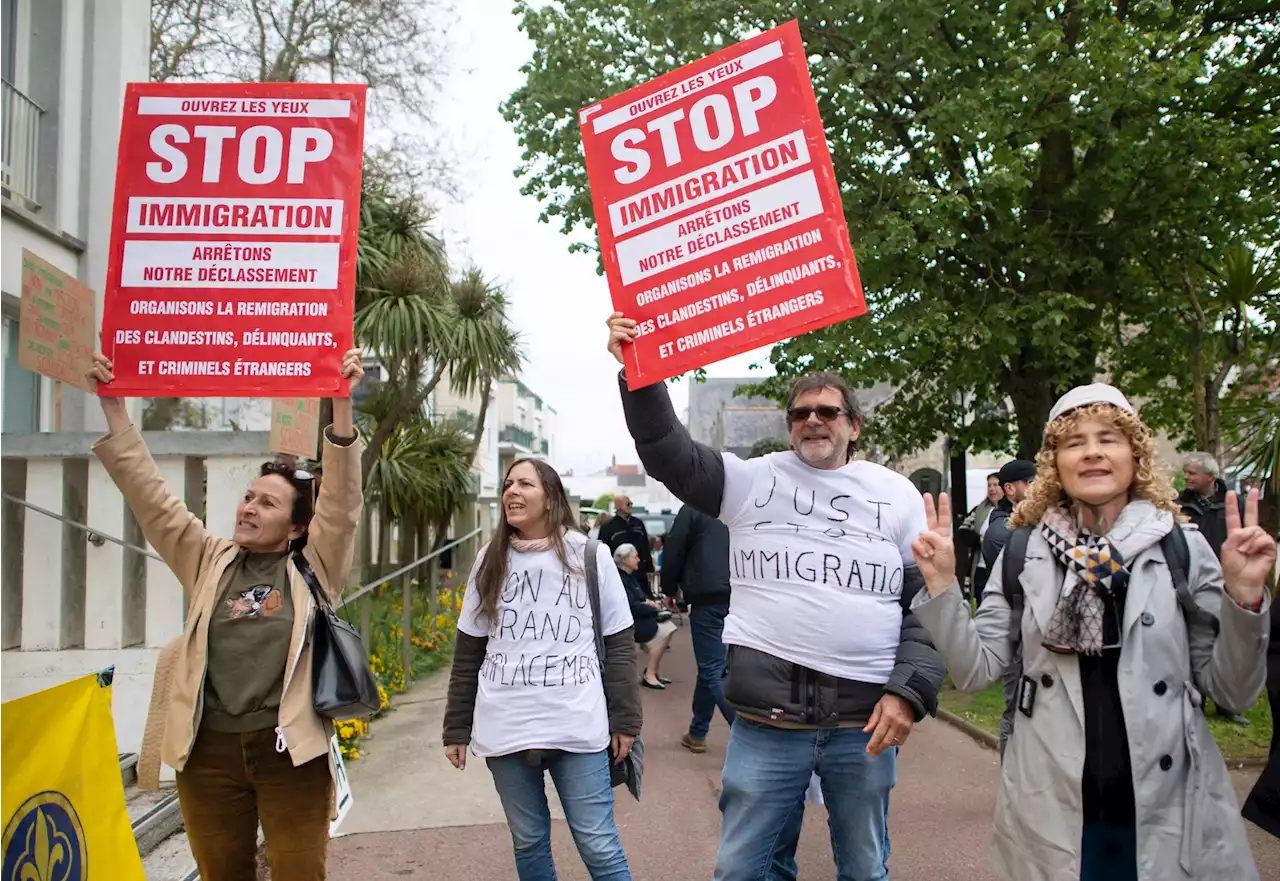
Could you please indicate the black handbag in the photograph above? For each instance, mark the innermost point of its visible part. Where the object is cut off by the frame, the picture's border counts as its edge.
(342, 685)
(630, 771)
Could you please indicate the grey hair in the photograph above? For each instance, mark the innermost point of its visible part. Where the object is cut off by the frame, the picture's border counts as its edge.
(1207, 463)
(623, 552)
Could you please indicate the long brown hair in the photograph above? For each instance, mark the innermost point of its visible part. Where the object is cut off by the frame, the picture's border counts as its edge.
(1150, 476)
(493, 568)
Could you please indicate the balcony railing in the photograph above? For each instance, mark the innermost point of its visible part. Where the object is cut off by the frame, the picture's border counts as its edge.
(514, 434)
(21, 136)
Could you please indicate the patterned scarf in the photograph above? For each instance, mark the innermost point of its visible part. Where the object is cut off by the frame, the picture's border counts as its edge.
(1096, 570)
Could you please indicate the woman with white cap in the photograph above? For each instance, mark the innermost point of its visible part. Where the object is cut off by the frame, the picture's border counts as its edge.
(1126, 622)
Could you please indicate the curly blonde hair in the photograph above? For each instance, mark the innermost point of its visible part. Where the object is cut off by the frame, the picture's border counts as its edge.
(1151, 477)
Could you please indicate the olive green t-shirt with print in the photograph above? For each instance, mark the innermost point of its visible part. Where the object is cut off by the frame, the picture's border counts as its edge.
(249, 644)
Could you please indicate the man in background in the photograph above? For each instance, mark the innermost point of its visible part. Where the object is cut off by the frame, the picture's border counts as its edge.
(625, 529)
(695, 561)
(1015, 480)
(969, 536)
(1204, 501)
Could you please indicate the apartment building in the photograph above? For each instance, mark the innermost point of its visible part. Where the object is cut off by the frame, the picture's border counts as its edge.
(519, 424)
(66, 64)
(73, 600)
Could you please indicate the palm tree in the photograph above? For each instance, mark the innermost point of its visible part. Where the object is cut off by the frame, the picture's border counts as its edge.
(421, 325)
(490, 348)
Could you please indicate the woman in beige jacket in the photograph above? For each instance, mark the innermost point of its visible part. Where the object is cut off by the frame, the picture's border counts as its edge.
(232, 709)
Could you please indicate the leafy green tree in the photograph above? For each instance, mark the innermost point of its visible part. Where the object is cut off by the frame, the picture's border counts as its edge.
(1212, 327)
(1008, 171)
(603, 502)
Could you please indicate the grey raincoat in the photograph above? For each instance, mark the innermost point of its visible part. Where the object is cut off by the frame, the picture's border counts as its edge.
(1188, 823)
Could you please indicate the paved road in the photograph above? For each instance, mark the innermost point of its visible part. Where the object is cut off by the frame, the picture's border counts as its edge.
(416, 817)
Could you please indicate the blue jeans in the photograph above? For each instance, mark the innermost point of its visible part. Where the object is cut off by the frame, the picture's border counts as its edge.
(582, 782)
(766, 773)
(784, 866)
(706, 624)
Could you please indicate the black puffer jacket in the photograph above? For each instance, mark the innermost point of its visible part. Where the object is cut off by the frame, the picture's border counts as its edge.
(695, 558)
(759, 683)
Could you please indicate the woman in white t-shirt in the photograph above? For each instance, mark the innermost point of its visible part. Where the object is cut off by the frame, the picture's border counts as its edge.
(528, 690)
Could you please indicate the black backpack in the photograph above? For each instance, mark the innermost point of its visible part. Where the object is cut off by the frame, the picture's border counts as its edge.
(1176, 554)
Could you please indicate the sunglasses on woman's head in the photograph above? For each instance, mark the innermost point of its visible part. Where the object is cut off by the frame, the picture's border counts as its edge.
(826, 413)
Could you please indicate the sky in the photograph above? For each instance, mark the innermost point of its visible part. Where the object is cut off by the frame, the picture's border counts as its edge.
(557, 301)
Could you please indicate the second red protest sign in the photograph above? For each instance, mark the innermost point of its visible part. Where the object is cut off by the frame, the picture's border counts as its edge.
(717, 207)
(233, 239)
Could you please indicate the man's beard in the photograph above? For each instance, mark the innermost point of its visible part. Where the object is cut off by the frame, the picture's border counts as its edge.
(816, 450)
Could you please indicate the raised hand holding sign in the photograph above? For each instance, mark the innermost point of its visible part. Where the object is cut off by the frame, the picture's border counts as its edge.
(1248, 554)
(935, 552)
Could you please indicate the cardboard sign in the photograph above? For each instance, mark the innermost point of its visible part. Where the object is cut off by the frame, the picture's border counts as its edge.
(717, 207)
(56, 323)
(233, 239)
(295, 426)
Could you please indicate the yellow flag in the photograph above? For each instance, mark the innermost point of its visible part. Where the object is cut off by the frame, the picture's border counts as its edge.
(63, 798)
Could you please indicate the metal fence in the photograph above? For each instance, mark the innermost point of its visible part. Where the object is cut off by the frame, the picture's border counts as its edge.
(363, 592)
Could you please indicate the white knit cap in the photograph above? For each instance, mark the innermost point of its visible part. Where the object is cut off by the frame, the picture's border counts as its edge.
(1084, 395)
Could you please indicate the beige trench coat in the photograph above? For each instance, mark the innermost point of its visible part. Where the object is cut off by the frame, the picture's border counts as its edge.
(1188, 822)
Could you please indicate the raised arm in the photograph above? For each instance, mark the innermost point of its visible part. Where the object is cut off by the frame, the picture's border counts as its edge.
(693, 471)
(976, 650)
(331, 539)
(1228, 639)
(177, 535)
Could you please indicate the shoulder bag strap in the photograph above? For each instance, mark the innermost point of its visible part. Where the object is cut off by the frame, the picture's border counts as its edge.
(1015, 559)
(591, 572)
(1177, 556)
(309, 576)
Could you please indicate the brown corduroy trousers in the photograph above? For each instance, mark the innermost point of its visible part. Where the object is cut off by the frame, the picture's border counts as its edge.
(234, 781)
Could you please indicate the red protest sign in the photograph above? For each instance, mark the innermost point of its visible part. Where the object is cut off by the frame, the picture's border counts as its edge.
(717, 208)
(233, 239)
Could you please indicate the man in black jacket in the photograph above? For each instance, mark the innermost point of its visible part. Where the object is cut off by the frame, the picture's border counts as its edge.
(828, 670)
(695, 559)
(1016, 478)
(1204, 500)
(625, 529)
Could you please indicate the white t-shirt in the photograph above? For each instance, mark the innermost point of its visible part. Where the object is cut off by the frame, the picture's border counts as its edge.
(816, 561)
(540, 684)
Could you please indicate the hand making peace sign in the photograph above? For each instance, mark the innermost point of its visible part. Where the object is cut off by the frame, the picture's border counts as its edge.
(1248, 553)
(934, 551)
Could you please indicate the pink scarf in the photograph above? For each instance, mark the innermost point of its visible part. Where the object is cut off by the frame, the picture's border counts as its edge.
(532, 545)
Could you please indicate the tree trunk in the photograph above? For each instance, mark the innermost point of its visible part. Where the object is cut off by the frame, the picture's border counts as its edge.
(1032, 399)
(486, 388)
(384, 541)
(405, 404)
(366, 546)
(408, 537)
(427, 573)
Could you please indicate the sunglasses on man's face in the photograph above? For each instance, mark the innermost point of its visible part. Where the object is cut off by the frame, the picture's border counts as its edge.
(825, 412)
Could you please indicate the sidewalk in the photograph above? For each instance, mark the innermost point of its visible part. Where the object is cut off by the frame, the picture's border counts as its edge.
(417, 817)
